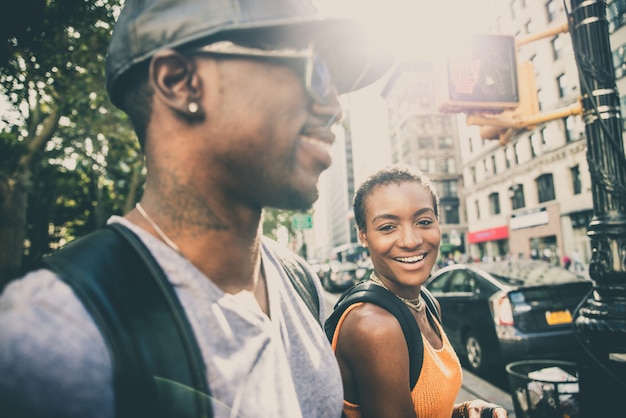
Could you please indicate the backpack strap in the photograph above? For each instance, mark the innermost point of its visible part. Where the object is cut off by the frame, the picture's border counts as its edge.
(299, 275)
(368, 291)
(430, 303)
(158, 369)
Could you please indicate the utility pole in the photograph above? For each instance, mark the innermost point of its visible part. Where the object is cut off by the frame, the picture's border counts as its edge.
(601, 322)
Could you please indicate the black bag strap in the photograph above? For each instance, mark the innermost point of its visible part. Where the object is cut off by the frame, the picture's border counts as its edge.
(299, 275)
(157, 365)
(368, 291)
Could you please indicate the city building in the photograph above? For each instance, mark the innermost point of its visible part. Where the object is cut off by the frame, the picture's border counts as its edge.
(422, 136)
(333, 224)
(528, 197)
(531, 197)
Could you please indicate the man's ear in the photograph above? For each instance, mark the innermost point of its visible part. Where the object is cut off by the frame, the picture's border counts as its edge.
(176, 83)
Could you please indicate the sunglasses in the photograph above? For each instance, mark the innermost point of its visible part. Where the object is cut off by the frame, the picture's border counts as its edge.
(317, 78)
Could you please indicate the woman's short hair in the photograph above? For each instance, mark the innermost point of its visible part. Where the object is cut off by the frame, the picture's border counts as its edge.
(393, 174)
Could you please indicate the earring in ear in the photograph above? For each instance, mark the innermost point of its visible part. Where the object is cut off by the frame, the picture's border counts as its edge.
(192, 107)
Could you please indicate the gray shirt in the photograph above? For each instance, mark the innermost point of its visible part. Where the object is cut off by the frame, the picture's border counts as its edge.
(54, 362)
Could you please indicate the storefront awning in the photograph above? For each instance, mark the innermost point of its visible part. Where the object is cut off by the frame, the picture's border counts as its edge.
(492, 234)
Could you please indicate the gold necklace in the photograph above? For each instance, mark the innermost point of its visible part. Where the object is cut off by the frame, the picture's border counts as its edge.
(416, 304)
(156, 227)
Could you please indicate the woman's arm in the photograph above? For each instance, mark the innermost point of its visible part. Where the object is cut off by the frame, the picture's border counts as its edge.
(374, 359)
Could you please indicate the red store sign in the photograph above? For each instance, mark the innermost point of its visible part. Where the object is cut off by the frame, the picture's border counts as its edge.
(493, 234)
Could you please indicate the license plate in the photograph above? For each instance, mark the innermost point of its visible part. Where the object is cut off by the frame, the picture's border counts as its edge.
(558, 317)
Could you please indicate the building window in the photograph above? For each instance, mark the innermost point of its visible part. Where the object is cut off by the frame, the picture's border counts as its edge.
(516, 153)
(570, 128)
(473, 171)
(561, 82)
(425, 143)
(616, 14)
(448, 188)
(494, 167)
(528, 27)
(451, 214)
(427, 165)
(477, 208)
(545, 188)
(486, 167)
(516, 193)
(551, 10)
(542, 133)
(448, 165)
(576, 184)
(557, 47)
(445, 142)
(471, 145)
(494, 203)
(540, 98)
(508, 157)
(535, 146)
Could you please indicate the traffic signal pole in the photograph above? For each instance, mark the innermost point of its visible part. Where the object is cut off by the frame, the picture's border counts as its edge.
(601, 320)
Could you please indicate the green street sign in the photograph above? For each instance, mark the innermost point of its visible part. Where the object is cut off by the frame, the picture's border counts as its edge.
(303, 221)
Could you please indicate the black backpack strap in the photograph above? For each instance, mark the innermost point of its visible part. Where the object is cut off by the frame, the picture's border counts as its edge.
(157, 366)
(430, 303)
(299, 276)
(368, 291)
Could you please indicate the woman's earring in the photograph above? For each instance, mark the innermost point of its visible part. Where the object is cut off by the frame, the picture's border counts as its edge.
(193, 108)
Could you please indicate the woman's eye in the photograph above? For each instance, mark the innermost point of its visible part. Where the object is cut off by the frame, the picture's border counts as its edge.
(385, 228)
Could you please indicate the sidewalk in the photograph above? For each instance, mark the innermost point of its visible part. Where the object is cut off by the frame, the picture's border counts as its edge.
(476, 388)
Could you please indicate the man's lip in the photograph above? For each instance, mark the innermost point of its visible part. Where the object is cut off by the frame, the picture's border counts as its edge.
(323, 135)
(317, 143)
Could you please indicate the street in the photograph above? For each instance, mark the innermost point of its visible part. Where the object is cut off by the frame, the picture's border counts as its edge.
(492, 389)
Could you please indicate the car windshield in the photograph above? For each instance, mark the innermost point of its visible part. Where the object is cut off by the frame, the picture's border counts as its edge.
(529, 273)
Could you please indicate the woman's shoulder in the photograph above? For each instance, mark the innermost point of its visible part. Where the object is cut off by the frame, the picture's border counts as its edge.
(369, 323)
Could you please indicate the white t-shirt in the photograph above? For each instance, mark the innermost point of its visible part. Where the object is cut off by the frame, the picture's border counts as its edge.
(54, 362)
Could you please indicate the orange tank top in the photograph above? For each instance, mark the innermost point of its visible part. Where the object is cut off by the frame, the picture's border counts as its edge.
(438, 384)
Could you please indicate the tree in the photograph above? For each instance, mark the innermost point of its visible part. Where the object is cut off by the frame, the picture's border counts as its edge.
(68, 158)
(275, 219)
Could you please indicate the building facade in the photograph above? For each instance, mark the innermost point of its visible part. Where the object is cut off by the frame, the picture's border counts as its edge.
(531, 197)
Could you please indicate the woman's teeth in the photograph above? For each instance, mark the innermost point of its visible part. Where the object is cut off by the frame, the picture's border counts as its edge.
(413, 259)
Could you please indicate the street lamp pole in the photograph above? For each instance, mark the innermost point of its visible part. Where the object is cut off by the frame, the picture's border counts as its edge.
(601, 321)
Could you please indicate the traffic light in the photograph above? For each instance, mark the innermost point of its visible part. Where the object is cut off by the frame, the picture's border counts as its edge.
(505, 124)
(481, 75)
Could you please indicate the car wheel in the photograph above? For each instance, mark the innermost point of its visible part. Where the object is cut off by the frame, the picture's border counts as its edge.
(474, 354)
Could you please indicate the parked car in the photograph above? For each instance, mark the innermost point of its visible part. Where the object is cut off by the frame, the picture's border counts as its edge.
(340, 275)
(496, 313)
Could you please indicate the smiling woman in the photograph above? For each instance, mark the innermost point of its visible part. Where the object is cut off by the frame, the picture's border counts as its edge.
(397, 214)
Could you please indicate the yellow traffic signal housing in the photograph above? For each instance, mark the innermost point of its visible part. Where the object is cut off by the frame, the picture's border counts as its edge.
(484, 81)
(508, 122)
(481, 75)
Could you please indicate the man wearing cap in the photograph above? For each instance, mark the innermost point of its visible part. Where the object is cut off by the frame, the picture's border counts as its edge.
(232, 103)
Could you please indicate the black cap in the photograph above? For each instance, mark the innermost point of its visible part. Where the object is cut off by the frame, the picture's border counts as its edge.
(356, 59)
